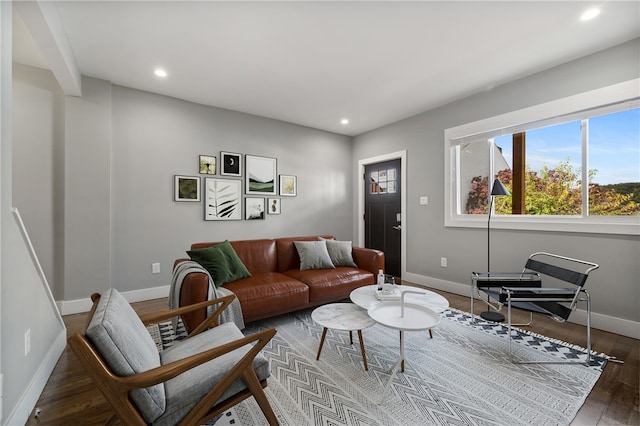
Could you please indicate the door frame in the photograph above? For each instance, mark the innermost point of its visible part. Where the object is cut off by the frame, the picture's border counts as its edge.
(402, 155)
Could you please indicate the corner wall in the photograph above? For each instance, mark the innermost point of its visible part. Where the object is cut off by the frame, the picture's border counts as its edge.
(614, 287)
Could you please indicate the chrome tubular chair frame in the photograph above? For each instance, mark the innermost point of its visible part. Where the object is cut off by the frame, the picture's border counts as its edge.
(524, 290)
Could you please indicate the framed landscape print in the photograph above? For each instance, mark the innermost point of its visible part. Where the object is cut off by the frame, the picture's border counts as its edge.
(288, 185)
(253, 208)
(273, 206)
(222, 199)
(230, 164)
(208, 164)
(186, 188)
(261, 175)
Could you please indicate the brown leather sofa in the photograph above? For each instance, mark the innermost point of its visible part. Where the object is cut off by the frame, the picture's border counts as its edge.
(277, 285)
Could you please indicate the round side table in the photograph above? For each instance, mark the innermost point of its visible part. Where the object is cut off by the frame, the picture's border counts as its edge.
(345, 317)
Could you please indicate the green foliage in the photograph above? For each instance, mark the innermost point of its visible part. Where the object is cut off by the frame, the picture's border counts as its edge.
(557, 191)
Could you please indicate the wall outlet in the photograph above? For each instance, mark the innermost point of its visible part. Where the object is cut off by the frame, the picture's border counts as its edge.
(443, 262)
(27, 342)
(424, 201)
(155, 268)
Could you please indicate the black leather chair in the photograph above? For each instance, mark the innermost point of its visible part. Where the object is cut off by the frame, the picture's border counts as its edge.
(524, 290)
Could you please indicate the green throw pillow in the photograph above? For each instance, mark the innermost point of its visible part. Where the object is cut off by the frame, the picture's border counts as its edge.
(222, 262)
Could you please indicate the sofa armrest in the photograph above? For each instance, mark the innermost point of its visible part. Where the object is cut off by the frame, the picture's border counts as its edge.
(368, 259)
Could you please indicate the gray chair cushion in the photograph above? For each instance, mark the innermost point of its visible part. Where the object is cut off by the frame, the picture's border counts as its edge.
(186, 390)
(127, 347)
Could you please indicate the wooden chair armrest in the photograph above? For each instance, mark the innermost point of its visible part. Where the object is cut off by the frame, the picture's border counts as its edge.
(163, 315)
(169, 371)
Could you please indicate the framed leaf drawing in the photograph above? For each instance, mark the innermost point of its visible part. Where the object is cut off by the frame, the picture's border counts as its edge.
(186, 188)
(254, 208)
(288, 185)
(230, 164)
(223, 199)
(208, 164)
(261, 175)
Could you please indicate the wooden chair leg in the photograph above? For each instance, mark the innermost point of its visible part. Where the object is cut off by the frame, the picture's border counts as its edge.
(324, 334)
(255, 387)
(364, 354)
(430, 334)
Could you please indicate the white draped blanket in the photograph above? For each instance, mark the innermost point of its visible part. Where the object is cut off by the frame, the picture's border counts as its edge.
(233, 313)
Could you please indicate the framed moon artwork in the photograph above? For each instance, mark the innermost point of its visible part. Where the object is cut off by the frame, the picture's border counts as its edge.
(231, 164)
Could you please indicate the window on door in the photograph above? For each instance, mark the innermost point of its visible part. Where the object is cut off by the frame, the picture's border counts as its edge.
(383, 181)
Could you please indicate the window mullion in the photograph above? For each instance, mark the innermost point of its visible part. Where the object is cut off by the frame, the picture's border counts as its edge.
(584, 126)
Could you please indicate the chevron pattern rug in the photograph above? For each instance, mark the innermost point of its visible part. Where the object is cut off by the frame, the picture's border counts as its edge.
(460, 377)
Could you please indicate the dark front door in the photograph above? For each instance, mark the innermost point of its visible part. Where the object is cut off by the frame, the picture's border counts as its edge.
(382, 212)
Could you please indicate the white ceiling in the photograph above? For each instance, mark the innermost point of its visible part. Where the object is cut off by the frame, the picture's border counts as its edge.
(313, 63)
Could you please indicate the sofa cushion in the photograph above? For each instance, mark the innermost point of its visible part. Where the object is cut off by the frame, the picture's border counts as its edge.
(340, 252)
(125, 344)
(313, 255)
(222, 262)
(187, 389)
(265, 295)
(331, 284)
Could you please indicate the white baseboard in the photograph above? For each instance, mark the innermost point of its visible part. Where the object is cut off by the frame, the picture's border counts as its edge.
(603, 322)
(21, 412)
(68, 307)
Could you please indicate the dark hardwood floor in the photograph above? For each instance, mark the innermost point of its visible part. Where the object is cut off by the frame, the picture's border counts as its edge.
(70, 398)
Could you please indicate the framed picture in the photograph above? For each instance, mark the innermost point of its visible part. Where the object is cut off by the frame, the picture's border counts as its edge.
(222, 199)
(186, 188)
(253, 208)
(273, 206)
(260, 175)
(230, 164)
(288, 185)
(208, 164)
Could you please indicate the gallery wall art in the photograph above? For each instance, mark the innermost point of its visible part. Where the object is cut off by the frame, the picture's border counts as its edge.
(230, 164)
(288, 185)
(254, 208)
(208, 164)
(223, 199)
(186, 188)
(260, 176)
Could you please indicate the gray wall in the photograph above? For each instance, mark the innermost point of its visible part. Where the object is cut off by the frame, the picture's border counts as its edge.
(156, 137)
(614, 287)
(103, 167)
(26, 303)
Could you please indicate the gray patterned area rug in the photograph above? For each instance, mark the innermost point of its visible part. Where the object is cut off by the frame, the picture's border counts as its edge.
(460, 377)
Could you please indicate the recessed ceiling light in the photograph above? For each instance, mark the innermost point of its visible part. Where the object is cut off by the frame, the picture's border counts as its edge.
(590, 14)
(159, 72)
(344, 121)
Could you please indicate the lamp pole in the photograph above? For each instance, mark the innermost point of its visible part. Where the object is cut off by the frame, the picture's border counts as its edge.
(498, 190)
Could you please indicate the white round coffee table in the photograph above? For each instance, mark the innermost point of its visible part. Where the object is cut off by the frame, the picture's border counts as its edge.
(365, 297)
(345, 317)
(403, 316)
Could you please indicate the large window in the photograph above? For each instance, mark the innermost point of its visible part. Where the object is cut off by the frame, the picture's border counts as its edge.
(570, 165)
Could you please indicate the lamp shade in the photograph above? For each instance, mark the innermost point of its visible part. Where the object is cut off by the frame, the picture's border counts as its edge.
(499, 190)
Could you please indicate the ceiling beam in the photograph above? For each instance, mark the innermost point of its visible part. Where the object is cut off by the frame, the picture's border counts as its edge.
(43, 21)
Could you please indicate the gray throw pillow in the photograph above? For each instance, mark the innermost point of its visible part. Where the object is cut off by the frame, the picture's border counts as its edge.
(313, 255)
(340, 252)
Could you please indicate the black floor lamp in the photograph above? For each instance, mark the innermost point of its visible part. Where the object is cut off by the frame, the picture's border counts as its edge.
(498, 190)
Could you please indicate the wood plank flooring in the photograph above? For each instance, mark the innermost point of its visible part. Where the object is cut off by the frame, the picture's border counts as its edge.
(70, 398)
